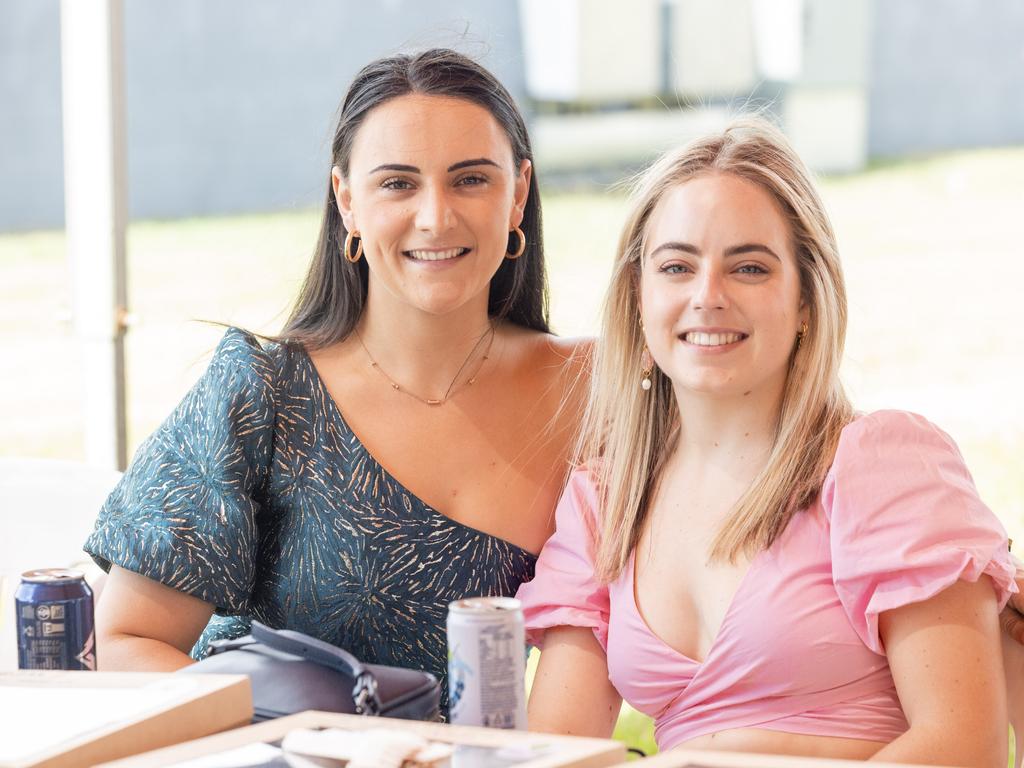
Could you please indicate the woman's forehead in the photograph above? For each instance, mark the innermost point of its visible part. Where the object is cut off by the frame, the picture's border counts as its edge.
(424, 129)
(716, 207)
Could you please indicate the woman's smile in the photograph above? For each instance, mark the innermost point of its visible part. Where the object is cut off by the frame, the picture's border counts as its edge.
(436, 254)
(712, 340)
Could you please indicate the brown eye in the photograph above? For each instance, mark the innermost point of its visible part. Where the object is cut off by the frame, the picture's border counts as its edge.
(396, 184)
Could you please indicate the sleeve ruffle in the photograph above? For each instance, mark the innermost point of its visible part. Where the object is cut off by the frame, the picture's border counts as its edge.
(564, 591)
(906, 520)
(185, 512)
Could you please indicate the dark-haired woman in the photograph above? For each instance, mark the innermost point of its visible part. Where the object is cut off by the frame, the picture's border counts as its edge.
(402, 443)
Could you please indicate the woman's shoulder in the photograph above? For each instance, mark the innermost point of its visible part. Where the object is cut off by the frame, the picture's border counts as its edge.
(577, 349)
(548, 348)
(555, 369)
(546, 357)
(898, 463)
(890, 429)
(243, 349)
(905, 519)
(260, 358)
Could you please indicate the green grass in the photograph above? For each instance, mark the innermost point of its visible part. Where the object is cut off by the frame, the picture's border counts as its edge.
(636, 730)
(931, 249)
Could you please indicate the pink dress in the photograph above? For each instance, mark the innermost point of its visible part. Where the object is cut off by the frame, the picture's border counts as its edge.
(898, 520)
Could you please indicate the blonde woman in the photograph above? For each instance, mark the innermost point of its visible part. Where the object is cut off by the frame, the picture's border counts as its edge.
(742, 555)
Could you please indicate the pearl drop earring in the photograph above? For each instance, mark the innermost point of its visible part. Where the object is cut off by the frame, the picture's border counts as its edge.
(647, 365)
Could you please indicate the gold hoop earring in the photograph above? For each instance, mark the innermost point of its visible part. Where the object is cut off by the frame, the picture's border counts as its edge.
(522, 244)
(800, 334)
(348, 247)
(647, 368)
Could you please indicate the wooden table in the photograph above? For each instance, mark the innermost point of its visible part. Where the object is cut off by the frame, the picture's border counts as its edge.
(558, 751)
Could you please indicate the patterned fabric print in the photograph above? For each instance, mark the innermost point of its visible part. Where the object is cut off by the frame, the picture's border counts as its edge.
(257, 497)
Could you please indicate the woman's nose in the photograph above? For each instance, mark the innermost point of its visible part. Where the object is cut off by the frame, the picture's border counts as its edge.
(710, 291)
(435, 212)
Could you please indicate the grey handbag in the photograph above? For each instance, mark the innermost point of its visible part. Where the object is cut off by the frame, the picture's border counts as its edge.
(292, 672)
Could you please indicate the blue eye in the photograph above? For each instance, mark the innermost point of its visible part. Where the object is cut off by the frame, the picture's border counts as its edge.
(752, 269)
(674, 269)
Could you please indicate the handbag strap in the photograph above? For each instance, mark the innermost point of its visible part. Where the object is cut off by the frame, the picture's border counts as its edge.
(364, 693)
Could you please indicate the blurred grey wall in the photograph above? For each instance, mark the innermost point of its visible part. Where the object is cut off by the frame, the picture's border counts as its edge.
(230, 104)
(945, 74)
(31, 161)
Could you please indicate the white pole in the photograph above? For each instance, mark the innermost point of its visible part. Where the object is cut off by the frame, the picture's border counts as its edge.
(95, 215)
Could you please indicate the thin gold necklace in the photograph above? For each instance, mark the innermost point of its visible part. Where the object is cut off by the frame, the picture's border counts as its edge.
(448, 393)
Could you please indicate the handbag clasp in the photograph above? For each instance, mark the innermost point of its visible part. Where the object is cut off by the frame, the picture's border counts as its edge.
(365, 695)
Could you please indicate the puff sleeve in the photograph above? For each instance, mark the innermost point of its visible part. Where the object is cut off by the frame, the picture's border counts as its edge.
(906, 520)
(563, 591)
(185, 512)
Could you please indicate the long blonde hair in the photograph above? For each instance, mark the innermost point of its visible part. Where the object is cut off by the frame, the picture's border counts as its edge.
(633, 430)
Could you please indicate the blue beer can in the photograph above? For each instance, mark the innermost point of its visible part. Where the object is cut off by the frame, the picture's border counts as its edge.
(55, 620)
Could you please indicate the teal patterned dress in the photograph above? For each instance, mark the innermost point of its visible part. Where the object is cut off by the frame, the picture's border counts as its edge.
(256, 497)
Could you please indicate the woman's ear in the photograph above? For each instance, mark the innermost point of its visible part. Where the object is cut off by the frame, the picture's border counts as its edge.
(343, 199)
(521, 192)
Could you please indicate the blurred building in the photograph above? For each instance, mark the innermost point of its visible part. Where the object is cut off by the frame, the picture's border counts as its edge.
(230, 104)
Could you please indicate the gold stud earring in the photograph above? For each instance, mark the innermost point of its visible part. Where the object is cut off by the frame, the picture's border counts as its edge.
(800, 334)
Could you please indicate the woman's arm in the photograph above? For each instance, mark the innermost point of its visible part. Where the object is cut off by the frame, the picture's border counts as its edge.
(145, 626)
(946, 659)
(1012, 616)
(571, 692)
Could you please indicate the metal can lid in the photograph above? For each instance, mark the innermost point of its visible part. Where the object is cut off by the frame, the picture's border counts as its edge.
(50, 575)
(484, 605)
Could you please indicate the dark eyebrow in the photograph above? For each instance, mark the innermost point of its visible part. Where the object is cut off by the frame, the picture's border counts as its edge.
(413, 169)
(736, 250)
(396, 167)
(470, 163)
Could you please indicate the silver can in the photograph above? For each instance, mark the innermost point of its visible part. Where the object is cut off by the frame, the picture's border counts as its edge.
(487, 662)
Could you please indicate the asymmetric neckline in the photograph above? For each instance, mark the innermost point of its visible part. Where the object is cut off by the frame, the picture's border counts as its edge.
(335, 412)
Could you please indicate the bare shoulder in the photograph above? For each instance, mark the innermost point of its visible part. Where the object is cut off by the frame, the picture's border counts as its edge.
(545, 355)
(572, 350)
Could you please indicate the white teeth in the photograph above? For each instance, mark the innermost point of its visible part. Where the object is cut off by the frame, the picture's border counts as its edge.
(711, 339)
(451, 253)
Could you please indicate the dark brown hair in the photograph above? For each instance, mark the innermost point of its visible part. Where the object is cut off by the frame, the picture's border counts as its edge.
(334, 290)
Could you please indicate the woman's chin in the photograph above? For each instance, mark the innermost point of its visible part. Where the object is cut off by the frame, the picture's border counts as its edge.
(441, 302)
(708, 384)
